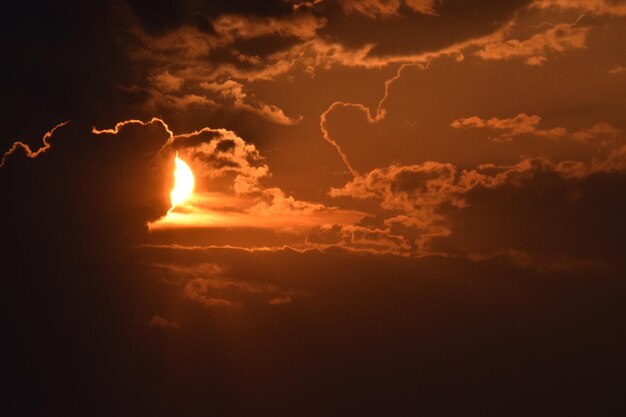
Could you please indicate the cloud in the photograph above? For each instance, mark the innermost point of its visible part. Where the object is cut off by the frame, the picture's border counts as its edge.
(167, 82)
(523, 124)
(197, 290)
(356, 305)
(89, 189)
(280, 300)
(219, 66)
(422, 269)
(558, 39)
(617, 70)
(27, 151)
(433, 207)
(241, 100)
(229, 191)
(415, 191)
(546, 210)
(599, 131)
(361, 239)
(387, 8)
(371, 118)
(229, 28)
(161, 322)
(596, 7)
(210, 285)
(216, 153)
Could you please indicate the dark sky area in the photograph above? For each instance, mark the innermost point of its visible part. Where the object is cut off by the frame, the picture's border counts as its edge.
(399, 208)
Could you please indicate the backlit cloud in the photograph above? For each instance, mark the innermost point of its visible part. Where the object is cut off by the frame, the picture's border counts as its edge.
(535, 50)
(523, 124)
(597, 7)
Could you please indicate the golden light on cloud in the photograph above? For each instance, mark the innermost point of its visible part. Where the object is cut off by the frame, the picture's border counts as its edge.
(184, 182)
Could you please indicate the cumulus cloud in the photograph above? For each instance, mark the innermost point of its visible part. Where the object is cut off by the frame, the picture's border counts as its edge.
(215, 153)
(107, 183)
(230, 191)
(411, 195)
(435, 208)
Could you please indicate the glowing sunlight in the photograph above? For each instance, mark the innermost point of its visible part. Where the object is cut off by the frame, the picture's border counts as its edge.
(184, 182)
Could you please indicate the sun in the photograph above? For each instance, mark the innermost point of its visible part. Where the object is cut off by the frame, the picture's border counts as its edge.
(184, 182)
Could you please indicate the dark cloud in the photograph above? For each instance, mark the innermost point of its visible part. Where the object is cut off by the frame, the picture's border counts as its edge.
(453, 21)
(377, 333)
(540, 212)
(61, 63)
(164, 15)
(544, 215)
(401, 207)
(86, 192)
(480, 332)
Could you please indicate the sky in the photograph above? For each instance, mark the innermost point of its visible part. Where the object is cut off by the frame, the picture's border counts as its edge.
(398, 207)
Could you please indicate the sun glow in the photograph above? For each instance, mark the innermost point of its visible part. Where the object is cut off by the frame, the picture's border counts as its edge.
(184, 182)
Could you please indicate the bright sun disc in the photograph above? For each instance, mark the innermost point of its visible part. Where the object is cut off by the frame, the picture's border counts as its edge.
(183, 182)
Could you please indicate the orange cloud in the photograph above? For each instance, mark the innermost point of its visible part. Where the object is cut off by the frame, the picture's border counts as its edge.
(229, 192)
(285, 299)
(596, 7)
(620, 69)
(518, 125)
(197, 290)
(523, 124)
(206, 284)
(371, 118)
(27, 150)
(235, 90)
(161, 322)
(558, 39)
(387, 8)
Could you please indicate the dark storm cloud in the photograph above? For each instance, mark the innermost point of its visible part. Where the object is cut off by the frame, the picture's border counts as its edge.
(84, 191)
(70, 211)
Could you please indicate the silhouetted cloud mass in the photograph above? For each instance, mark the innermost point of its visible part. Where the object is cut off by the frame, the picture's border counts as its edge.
(399, 207)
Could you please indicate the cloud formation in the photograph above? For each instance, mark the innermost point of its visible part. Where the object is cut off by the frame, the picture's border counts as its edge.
(523, 124)
(386, 9)
(558, 39)
(596, 7)
(84, 183)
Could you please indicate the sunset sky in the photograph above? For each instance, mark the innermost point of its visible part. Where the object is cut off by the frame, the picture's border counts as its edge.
(314, 208)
